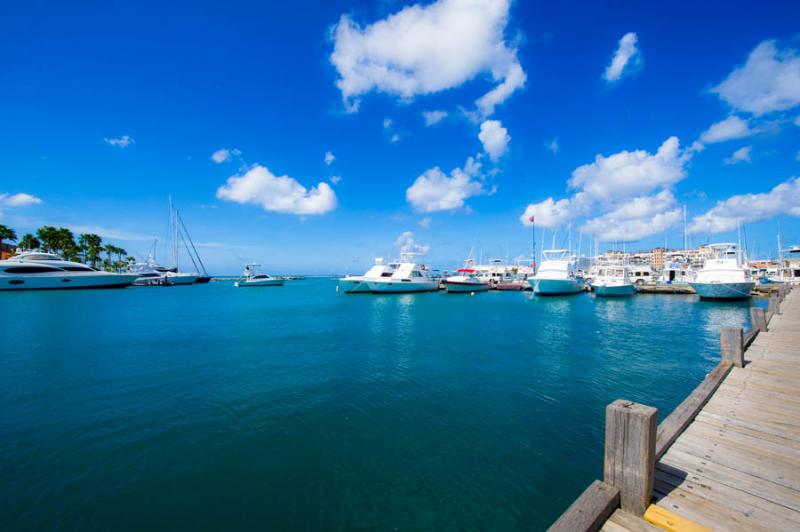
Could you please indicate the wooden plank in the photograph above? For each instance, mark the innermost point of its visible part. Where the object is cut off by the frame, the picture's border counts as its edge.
(666, 520)
(630, 453)
(630, 522)
(750, 429)
(679, 419)
(590, 510)
(766, 512)
(701, 470)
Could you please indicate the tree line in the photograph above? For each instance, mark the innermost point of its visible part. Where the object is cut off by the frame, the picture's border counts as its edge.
(88, 248)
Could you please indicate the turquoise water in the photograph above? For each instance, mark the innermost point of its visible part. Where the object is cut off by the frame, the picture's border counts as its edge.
(300, 408)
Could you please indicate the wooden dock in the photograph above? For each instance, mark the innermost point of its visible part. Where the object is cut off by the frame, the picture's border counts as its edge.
(727, 458)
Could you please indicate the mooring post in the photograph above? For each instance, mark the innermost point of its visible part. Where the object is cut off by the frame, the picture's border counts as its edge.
(731, 345)
(758, 319)
(774, 304)
(630, 456)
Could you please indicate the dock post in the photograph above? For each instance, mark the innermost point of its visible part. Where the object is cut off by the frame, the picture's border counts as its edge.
(630, 454)
(758, 319)
(774, 304)
(731, 345)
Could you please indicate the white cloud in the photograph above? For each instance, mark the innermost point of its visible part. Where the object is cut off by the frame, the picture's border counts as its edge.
(224, 155)
(629, 173)
(626, 59)
(433, 117)
(784, 199)
(769, 81)
(552, 146)
(407, 244)
(336, 179)
(730, 128)
(395, 138)
(329, 158)
(425, 222)
(548, 213)
(494, 138)
(424, 49)
(740, 155)
(122, 142)
(387, 123)
(636, 218)
(19, 200)
(277, 193)
(435, 191)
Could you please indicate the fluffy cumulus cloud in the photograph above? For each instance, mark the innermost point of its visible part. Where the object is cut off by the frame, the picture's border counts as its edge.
(120, 142)
(436, 191)
(224, 155)
(739, 156)
(769, 81)
(784, 199)
(406, 243)
(626, 60)
(19, 200)
(625, 196)
(433, 117)
(282, 194)
(548, 213)
(636, 218)
(730, 128)
(494, 138)
(424, 49)
(630, 173)
(329, 158)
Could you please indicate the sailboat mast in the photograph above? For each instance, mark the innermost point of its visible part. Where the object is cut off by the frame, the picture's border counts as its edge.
(685, 244)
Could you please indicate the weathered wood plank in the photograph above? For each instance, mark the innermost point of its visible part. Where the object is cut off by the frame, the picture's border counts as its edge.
(590, 510)
(630, 522)
(679, 419)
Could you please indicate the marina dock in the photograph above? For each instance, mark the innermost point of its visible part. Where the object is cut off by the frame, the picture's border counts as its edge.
(727, 458)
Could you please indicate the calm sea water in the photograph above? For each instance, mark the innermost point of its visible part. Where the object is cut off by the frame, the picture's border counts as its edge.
(300, 408)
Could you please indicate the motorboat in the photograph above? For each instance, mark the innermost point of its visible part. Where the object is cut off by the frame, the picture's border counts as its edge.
(353, 284)
(613, 281)
(147, 274)
(181, 278)
(466, 280)
(408, 277)
(557, 274)
(253, 277)
(724, 275)
(35, 270)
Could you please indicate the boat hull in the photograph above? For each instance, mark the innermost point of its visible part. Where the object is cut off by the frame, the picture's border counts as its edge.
(205, 279)
(354, 286)
(66, 281)
(465, 288)
(399, 287)
(723, 290)
(622, 290)
(556, 287)
(263, 282)
(180, 279)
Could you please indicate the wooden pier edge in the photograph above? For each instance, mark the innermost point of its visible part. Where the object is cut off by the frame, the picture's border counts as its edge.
(601, 499)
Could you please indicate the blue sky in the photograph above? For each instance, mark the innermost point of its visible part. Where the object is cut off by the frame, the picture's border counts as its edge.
(106, 109)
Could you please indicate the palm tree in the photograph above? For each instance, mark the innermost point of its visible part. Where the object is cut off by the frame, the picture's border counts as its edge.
(92, 246)
(48, 236)
(29, 242)
(6, 233)
(66, 242)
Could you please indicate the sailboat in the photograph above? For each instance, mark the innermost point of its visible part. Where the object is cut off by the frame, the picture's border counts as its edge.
(179, 235)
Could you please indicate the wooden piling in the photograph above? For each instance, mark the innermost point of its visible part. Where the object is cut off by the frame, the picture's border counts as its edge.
(731, 345)
(758, 319)
(630, 453)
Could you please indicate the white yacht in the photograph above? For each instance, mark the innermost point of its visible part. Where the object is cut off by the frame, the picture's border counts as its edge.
(556, 274)
(181, 278)
(613, 280)
(253, 277)
(352, 284)
(34, 270)
(408, 277)
(724, 275)
(466, 280)
(676, 271)
(147, 274)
